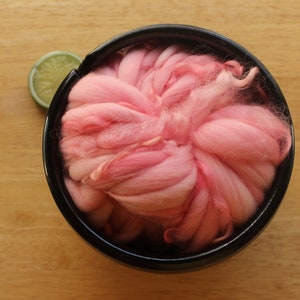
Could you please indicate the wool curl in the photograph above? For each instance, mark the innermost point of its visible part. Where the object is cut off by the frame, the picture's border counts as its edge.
(170, 146)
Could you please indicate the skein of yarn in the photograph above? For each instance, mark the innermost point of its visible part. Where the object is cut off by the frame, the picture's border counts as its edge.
(171, 147)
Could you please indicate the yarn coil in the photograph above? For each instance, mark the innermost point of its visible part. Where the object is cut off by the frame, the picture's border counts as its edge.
(170, 146)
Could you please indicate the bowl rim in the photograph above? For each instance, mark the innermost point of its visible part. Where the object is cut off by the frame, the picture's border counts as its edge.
(54, 172)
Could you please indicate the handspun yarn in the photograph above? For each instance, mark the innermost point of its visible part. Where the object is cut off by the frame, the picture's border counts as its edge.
(174, 147)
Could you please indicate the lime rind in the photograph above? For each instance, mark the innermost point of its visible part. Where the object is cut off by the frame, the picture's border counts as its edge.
(49, 78)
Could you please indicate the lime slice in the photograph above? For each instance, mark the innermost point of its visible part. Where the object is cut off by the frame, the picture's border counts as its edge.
(47, 74)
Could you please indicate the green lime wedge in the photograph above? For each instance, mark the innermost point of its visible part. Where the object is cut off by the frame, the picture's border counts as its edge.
(47, 74)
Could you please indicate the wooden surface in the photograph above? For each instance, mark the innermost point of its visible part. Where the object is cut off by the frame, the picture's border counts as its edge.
(41, 257)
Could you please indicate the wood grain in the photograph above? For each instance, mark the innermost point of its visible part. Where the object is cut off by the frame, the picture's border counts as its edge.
(41, 257)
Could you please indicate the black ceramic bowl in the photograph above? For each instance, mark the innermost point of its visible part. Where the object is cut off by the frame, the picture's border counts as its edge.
(202, 41)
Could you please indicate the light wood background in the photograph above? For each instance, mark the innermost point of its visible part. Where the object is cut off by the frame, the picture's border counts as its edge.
(41, 257)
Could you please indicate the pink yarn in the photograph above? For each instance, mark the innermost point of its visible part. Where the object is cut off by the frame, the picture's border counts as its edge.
(170, 146)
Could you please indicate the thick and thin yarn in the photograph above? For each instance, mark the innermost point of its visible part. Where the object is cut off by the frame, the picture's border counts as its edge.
(169, 146)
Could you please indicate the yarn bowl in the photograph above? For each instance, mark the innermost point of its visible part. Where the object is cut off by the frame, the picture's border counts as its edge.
(207, 42)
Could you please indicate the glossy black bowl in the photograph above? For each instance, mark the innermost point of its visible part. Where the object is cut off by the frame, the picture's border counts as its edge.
(199, 40)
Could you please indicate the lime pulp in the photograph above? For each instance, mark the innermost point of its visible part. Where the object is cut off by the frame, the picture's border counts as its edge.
(47, 74)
